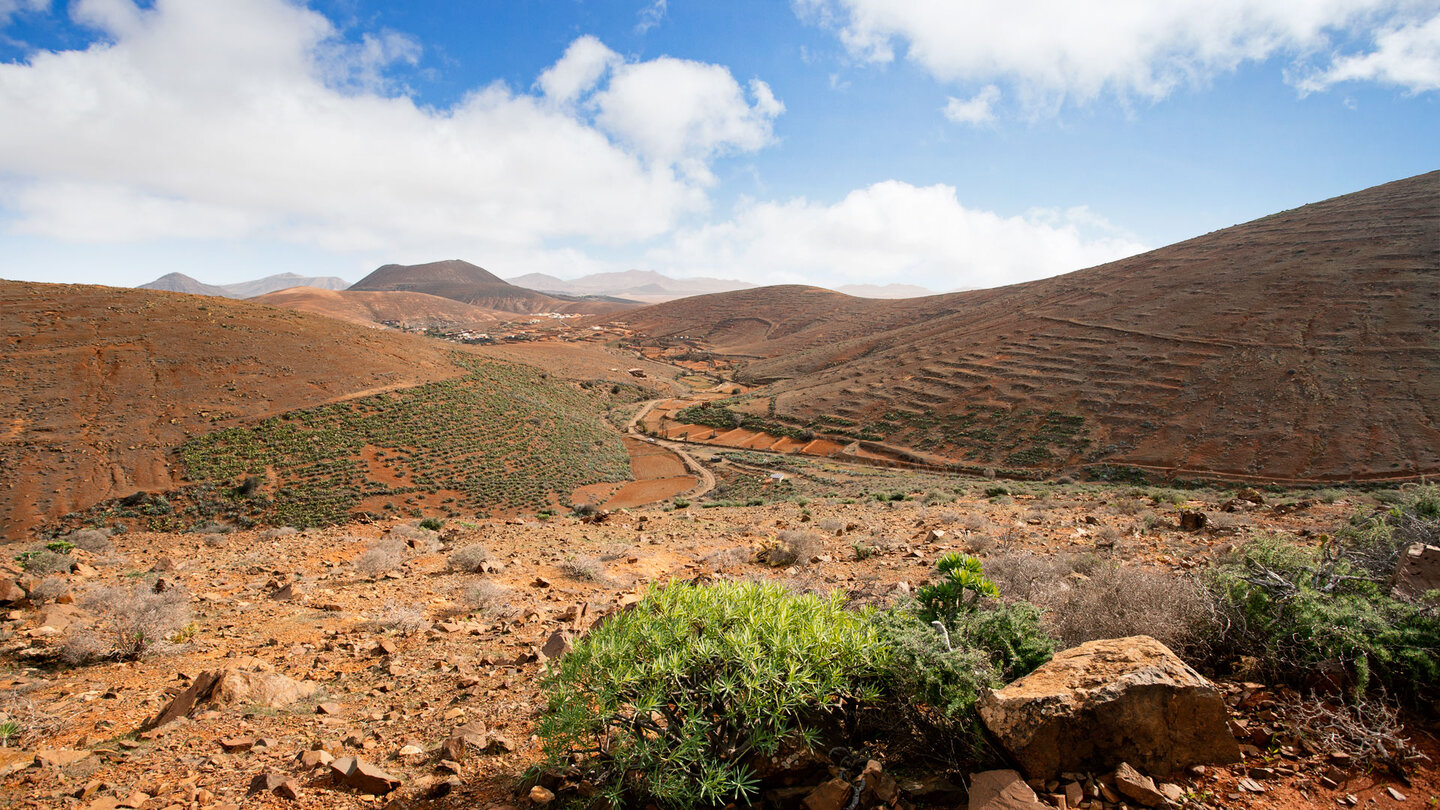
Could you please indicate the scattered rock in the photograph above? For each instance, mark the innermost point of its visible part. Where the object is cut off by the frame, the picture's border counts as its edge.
(1111, 701)
(235, 745)
(182, 704)
(328, 708)
(1137, 786)
(1192, 521)
(59, 757)
(10, 592)
(272, 689)
(363, 776)
(1417, 571)
(265, 783)
(541, 796)
(559, 643)
(1002, 790)
(831, 795)
(289, 593)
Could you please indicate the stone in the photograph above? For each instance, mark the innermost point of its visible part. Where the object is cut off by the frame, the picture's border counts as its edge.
(559, 643)
(1074, 794)
(328, 708)
(1002, 790)
(1137, 786)
(831, 795)
(935, 536)
(1172, 792)
(59, 757)
(272, 689)
(1417, 571)
(234, 745)
(182, 704)
(541, 796)
(1395, 794)
(316, 758)
(1111, 701)
(880, 787)
(289, 789)
(289, 593)
(265, 783)
(363, 776)
(1192, 521)
(10, 592)
(933, 789)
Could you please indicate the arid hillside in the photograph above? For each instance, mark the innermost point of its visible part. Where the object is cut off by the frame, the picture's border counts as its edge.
(1304, 345)
(462, 281)
(374, 308)
(100, 383)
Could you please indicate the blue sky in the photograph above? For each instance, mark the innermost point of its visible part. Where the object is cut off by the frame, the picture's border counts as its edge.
(945, 144)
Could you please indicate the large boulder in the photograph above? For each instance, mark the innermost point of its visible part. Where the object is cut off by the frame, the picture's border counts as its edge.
(1107, 702)
(261, 686)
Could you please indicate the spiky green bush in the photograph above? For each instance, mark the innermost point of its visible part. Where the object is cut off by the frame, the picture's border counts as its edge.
(676, 697)
(961, 586)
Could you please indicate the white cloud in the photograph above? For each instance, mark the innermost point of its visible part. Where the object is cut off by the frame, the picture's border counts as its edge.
(678, 111)
(893, 232)
(578, 71)
(253, 119)
(1407, 56)
(978, 110)
(1055, 51)
(651, 15)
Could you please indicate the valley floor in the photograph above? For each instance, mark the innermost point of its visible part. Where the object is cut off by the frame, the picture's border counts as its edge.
(404, 659)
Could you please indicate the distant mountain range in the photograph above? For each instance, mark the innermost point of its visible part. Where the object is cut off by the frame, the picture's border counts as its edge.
(179, 282)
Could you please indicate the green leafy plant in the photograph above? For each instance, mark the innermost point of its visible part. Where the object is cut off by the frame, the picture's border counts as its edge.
(962, 585)
(673, 700)
(9, 730)
(432, 523)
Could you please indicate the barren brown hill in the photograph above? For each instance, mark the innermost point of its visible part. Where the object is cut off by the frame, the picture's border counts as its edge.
(100, 382)
(771, 321)
(464, 282)
(1304, 345)
(375, 308)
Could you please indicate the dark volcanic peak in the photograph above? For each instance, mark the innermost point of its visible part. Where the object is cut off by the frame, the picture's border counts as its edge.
(462, 281)
(426, 277)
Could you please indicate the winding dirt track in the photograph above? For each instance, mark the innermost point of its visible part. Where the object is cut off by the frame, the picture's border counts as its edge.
(654, 463)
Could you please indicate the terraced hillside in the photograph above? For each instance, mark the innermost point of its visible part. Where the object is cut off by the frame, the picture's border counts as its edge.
(1304, 345)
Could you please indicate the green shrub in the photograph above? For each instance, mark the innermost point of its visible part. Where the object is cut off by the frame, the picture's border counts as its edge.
(1306, 612)
(432, 523)
(680, 694)
(962, 586)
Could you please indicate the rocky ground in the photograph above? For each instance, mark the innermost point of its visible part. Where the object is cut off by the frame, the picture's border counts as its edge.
(383, 654)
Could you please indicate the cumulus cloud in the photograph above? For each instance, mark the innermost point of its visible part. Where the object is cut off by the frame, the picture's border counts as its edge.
(976, 110)
(894, 232)
(678, 111)
(1407, 56)
(257, 119)
(1055, 51)
(581, 68)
